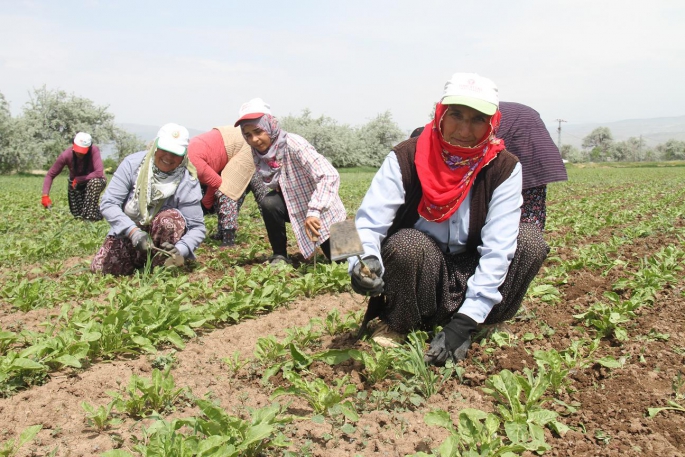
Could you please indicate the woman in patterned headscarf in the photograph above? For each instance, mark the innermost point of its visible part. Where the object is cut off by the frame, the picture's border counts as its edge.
(303, 185)
(440, 227)
(152, 203)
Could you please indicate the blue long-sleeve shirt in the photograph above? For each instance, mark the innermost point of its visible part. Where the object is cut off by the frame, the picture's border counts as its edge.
(386, 194)
(186, 200)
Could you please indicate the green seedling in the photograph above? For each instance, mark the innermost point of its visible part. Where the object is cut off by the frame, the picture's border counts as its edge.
(234, 363)
(214, 434)
(409, 360)
(100, 418)
(475, 436)
(323, 399)
(11, 448)
(677, 385)
(334, 324)
(143, 397)
(377, 363)
(520, 402)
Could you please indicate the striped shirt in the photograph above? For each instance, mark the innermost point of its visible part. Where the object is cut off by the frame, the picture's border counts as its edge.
(310, 188)
(526, 136)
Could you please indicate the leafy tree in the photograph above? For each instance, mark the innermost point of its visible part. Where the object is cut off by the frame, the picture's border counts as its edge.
(573, 154)
(628, 150)
(334, 141)
(377, 137)
(600, 141)
(8, 160)
(126, 143)
(52, 118)
(343, 145)
(672, 150)
(47, 126)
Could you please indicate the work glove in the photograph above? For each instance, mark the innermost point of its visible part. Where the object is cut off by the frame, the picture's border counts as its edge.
(175, 259)
(141, 240)
(452, 342)
(46, 202)
(368, 281)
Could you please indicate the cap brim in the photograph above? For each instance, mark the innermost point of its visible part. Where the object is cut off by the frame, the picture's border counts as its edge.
(171, 147)
(248, 117)
(80, 149)
(475, 103)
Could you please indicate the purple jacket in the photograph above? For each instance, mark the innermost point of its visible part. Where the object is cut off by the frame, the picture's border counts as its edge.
(92, 167)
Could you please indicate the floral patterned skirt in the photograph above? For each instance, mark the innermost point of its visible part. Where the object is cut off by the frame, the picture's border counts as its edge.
(117, 256)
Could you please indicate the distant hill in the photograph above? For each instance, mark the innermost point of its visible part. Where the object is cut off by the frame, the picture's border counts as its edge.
(149, 132)
(654, 131)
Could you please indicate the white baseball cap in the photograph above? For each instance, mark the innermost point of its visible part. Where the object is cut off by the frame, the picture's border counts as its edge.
(253, 109)
(173, 138)
(472, 90)
(82, 142)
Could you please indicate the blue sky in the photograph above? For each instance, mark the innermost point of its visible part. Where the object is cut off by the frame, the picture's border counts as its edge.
(195, 62)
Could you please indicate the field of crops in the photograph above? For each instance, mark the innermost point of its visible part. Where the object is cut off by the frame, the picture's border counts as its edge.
(230, 357)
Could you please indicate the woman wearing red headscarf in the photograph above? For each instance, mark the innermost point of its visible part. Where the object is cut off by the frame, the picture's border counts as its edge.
(441, 231)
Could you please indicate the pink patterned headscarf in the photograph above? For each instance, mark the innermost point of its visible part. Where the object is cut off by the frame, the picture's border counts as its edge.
(268, 164)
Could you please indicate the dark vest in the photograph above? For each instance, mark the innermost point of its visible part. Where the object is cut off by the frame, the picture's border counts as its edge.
(488, 179)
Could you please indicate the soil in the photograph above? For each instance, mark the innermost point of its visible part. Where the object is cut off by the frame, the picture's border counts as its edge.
(610, 416)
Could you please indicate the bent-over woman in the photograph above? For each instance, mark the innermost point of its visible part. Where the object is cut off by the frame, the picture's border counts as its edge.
(224, 166)
(525, 135)
(152, 203)
(86, 178)
(302, 185)
(440, 226)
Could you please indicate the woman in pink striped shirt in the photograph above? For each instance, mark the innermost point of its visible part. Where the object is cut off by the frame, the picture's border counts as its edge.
(302, 184)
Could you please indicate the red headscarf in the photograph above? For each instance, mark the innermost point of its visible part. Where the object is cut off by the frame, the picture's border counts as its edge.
(447, 172)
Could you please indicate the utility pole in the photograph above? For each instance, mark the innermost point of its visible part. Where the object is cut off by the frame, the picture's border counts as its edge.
(559, 130)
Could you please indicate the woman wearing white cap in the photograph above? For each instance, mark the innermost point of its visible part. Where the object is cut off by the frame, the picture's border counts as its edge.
(152, 202)
(86, 178)
(303, 185)
(441, 230)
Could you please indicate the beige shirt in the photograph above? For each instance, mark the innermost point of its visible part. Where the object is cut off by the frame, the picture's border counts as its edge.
(238, 171)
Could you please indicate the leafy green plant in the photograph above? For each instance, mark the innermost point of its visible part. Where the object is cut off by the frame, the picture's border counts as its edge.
(100, 418)
(143, 397)
(11, 448)
(377, 364)
(335, 324)
(520, 401)
(214, 434)
(234, 363)
(607, 318)
(476, 435)
(678, 386)
(323, 399)
(423, 377)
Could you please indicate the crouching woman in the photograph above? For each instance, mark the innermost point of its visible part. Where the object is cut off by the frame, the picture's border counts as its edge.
(152, 204)
(441, 230)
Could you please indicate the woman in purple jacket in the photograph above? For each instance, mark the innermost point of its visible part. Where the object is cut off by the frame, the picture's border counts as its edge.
(86, 178)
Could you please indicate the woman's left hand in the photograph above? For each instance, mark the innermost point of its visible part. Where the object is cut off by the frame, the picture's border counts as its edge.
(311, 227)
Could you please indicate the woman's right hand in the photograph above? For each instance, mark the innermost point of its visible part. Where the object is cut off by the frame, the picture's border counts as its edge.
(46, 202)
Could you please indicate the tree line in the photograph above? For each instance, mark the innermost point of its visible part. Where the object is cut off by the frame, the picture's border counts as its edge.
(599, 146)
(51, 118)
(47, 125)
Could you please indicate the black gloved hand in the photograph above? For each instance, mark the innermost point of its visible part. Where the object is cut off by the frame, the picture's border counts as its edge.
(175, 259)
(367, 281)
(141, 240)
(453, 342)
